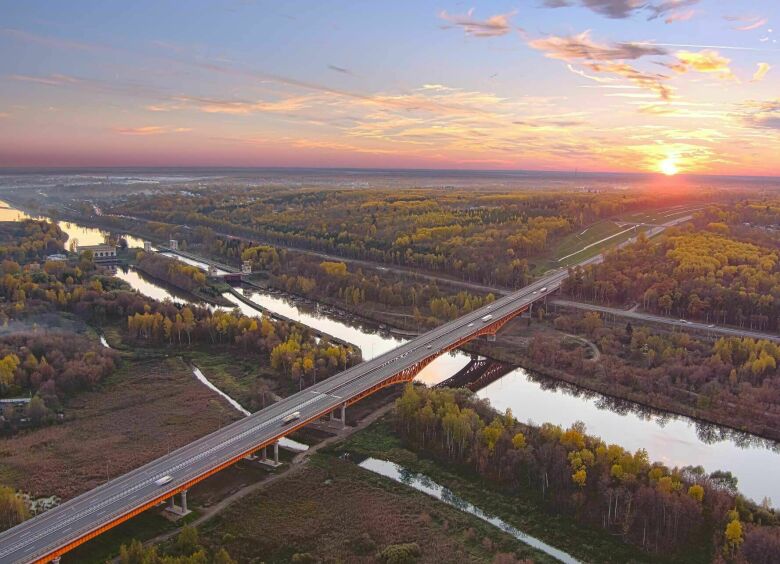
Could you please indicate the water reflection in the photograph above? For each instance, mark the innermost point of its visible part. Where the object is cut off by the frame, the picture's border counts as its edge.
(424, 484)
(676, 441)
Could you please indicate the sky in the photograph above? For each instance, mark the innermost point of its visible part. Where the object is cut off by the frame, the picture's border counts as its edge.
(660, 86)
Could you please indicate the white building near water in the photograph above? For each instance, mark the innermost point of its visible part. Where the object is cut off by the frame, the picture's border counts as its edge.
(100, 253)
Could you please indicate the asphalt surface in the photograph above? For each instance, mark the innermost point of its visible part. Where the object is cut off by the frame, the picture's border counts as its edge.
(42, 535)
(682, 324)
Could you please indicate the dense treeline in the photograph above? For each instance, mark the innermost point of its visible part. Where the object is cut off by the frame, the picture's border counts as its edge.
(175, 272)
(30, 239)
(186, 548)
(64, 364)
(660, 509)
(287, 346)
(478, 236)
(353, 288)
(732, 381)
(51, 365)
(704, 275)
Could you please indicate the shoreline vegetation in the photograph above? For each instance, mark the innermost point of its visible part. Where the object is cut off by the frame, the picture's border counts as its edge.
(501, 465)
(267, 260)
(78, 389)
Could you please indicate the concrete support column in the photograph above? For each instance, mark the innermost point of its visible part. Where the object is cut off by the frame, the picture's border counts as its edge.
(343, 415)
(265, 453)
(171, 504)
(55, 560)
(184, 501)
(276, 452)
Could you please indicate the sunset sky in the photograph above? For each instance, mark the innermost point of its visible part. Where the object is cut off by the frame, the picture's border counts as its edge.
(594, 85)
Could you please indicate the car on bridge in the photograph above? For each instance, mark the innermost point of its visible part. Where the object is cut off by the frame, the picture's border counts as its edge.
(291, 417)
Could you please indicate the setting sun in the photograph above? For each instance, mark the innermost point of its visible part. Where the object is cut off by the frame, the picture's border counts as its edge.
(668, 166)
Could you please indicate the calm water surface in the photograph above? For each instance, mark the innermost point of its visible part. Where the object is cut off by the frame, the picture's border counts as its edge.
(676, 441)
(424, 484)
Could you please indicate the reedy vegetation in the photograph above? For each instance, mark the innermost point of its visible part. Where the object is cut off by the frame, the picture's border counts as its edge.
(669, 511)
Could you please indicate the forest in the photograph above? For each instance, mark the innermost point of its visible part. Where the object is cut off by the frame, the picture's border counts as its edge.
(734, 381)
(52, 365)
(351, 288)
(662, 510)
(170, 270)
(483, 236)
(718, 270)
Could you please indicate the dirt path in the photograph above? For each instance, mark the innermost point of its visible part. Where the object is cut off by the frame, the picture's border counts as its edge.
(590, 344)
(297, 464)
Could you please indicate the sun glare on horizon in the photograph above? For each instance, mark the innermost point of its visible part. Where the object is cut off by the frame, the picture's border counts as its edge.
(668, 166)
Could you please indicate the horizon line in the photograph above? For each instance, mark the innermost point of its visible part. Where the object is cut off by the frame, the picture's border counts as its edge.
(144, 168)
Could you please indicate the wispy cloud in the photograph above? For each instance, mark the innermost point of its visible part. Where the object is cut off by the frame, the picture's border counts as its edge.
(49, 80)
(763, 114)
(749, 23)
(671, 7)
(150, 130)
(621, 9)
(47, 41)
(680, 16)
(707, 61)
(341, 70)
(494, 26)
(760, 73)
(581, 46)
(606, 59)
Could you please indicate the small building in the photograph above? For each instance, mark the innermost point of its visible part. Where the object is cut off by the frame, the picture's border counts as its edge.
(147, 246)
(100, 253)
(232, 277)
(173, 244)
(246, 267)
(57, 257)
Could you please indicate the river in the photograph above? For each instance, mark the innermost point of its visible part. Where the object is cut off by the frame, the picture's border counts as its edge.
(424, 484)
(674, 440)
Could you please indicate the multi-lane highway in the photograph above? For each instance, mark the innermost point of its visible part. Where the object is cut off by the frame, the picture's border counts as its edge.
(676, 324)
(61, 528)
(77, 520)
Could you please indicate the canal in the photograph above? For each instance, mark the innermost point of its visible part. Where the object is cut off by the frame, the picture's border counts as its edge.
(673, 440)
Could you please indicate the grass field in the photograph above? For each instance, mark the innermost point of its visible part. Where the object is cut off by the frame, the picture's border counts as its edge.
(585, 244)
(145, 408)
(339, 512)
(658, 216)
(523, 510)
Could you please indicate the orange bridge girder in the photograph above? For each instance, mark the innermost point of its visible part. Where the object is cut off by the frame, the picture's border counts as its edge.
(406, 375)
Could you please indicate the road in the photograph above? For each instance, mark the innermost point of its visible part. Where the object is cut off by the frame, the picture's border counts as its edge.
(674, 323)
(65, 526)
(42, 537)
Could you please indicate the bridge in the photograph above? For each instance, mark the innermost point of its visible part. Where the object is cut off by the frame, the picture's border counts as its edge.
(477, 374)
(47, 536)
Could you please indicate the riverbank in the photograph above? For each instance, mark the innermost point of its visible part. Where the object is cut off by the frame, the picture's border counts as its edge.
(524, 513)
(208, 294)
(679, 440)
(657, 404)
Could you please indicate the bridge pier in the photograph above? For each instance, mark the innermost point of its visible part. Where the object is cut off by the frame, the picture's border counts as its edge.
(341, 418)
(178, 510)
(268, 462)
